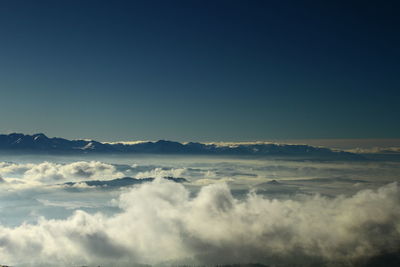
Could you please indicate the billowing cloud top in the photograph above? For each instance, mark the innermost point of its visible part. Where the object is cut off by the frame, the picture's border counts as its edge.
(49, 172)
(160, 223)
(230, 210)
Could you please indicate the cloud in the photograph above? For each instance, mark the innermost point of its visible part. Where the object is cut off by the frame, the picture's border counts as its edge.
(68, 204)
(14, 168)
(161, 173)
(377, 150)
(54, 172)
(207, 181)
(160, 222)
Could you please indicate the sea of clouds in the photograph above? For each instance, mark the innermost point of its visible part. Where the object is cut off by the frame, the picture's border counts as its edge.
(320, 214)
(160, 223)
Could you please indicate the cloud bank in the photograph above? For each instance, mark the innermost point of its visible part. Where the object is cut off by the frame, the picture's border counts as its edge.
(55, 172)
(160, 223)
(161, 173)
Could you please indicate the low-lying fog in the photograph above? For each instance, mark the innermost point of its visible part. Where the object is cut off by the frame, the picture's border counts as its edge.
(230, 210)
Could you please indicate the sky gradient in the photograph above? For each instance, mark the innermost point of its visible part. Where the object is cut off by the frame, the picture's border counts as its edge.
(200, 70)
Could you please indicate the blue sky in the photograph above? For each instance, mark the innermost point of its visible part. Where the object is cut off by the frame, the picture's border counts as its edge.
(200, 70)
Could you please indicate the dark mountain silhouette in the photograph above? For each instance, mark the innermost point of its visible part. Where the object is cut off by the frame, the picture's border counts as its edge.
(126, 181)
(42, 143)
(273, 182)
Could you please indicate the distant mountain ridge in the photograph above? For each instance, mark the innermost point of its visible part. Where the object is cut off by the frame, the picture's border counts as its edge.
(41, 143)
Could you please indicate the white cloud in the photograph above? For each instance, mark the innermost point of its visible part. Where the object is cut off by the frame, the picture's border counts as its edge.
(161, 173)
(160, 222)
(377, 150)
(53, 172)
(206, 181)
(14, 168)
(68, 204)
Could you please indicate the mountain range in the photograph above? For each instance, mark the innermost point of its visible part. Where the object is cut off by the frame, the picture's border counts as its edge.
(41, 143)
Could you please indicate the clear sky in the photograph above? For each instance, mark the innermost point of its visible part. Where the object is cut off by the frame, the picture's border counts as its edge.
(200, 70)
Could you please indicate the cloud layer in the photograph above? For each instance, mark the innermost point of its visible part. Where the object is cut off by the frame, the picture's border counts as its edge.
(160, 223)
(55, 172)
